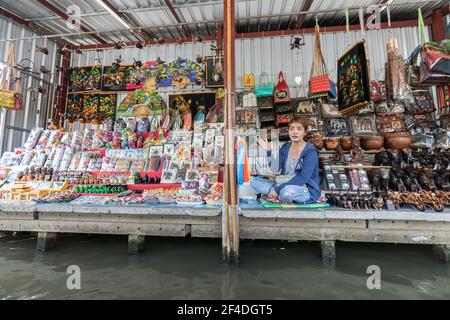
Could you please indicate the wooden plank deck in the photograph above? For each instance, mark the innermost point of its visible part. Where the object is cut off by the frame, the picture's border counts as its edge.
(325, 225)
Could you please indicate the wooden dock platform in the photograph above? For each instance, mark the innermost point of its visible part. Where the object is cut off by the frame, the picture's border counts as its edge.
(324, 225)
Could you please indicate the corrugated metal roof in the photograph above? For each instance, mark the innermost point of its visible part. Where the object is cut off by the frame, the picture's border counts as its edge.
(200, 16)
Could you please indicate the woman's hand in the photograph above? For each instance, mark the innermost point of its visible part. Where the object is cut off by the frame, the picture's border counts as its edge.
(273, 194)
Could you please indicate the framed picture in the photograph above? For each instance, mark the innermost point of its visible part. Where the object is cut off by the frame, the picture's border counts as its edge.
(363, 125)
(197, 141)
(304, 107)
(168, 176)
(193, 101)
(191, 175)
(336, 127)
(116, 79)
(209, 137)
(214, 72)
(169, 148)
(390, 123)
(180, 175)
(353, 79)
(156, 150)
(220, 141)
(314, 123)
(330, 110)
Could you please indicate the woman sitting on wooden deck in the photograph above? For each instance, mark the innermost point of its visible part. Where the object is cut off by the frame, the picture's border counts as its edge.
(299, 164)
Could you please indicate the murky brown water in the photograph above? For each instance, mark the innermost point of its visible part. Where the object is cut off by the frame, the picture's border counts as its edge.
(193, 269)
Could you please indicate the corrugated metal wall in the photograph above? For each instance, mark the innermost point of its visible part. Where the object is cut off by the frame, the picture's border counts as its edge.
(271, 55)
(17, 124)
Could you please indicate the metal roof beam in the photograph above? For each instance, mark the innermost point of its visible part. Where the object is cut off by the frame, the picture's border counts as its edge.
(186, 31)
(31, 25)
(54, 9)
(301, 17)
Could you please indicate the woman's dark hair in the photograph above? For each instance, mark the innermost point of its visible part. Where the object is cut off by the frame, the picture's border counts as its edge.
(302, 121)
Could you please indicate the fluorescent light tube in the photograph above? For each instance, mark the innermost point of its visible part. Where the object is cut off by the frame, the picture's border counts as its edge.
(115, 15)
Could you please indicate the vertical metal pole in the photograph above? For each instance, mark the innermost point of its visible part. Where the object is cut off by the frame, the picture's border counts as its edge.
(3, 111)
(230, 216)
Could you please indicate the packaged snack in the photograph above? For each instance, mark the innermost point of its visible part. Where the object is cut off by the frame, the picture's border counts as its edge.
(43, 139)
(84, 162)
(66, 138)
(59, 154)
(75, 161)
(67, 158)
(107, 164)
(27, 158)
(122, 165)
(55, 136)
(95, 164)
(77, 140)
(87, 139)
(137, 166)
(38, 160)
(33, 138)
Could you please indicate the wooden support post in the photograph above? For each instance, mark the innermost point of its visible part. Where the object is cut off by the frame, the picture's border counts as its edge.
(136, 243)
(438, 25)
(328, 254)
(46, 241)
(230, 214)
(442, 252)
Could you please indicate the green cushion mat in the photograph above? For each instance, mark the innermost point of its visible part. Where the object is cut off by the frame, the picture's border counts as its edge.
(318, 205)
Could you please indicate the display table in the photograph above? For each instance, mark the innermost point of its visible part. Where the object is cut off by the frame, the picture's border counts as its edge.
(325, 225)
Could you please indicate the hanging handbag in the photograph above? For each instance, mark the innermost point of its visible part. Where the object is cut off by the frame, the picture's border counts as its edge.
(413, 69)
(284, 119)
(10, 99)
(319, 82)
(265, 87)
(248, 80)
(436, 57)
(429, 77)
(265, 103)
(281, 92)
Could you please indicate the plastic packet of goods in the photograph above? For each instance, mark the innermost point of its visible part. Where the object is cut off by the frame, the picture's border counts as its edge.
(66, 160)
(58, 158)
(122, 165)
(137, 166)
(75, 161)
(27, 158)
(77, 139)
(98, 140)
(5, 159)
(43, 139)
(51, 152)
(95, 164)
(84, 162)
(33, 138)
(15, 160)
(55, 136)
(67, 138)
(107, 165)
(38, 160)
(87, 139)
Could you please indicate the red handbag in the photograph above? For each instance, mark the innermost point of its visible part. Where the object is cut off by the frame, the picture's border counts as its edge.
(281, 92)
(319, 81)
(319, 84)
